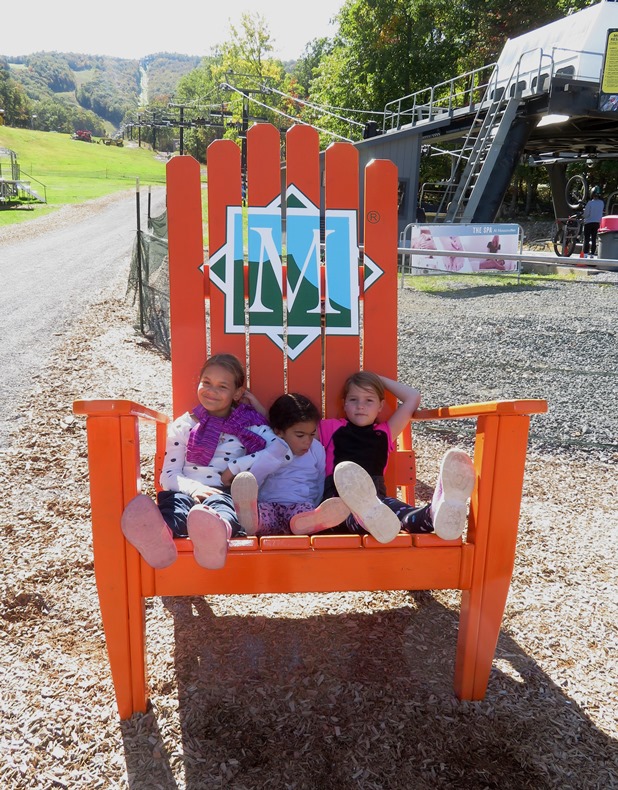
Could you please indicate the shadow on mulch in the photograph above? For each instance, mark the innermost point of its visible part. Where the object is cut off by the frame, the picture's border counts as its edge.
(357, 701)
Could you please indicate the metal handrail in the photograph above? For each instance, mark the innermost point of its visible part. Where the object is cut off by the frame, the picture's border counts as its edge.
(32, 178)
(427, 103)
(430, 104)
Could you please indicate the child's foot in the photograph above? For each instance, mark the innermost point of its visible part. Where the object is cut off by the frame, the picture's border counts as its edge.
(244, 494)
(209, 534)
(144, 527)
(331, 512)
(358, 491)
(454, 486)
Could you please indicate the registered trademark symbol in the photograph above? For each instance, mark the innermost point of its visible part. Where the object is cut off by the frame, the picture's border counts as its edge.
(373, 217)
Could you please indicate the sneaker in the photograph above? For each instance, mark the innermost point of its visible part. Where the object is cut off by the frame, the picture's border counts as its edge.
(244, 493)
(209, 534)
(144, 527)
(328, 514)
(454, 486)
(357, 490)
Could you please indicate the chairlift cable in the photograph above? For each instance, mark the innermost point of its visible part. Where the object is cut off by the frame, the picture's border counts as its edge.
(285, 115)
(313, 106)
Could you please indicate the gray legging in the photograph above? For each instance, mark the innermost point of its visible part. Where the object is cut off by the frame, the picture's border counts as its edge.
(413, 519)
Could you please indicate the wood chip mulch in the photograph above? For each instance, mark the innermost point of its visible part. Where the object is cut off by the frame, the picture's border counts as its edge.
(294, 691)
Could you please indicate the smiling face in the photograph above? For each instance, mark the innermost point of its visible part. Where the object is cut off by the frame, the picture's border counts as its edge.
(362, 406)
(299, 436)
(217, 390)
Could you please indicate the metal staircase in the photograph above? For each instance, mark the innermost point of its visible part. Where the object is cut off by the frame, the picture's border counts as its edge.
(477, 158)
(15, 190)
(475, 119)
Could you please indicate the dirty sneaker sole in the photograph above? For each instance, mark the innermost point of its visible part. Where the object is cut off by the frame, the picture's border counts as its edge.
(208, 533)
(458, 477)
(358, 491)
(244, 493)
(328, 514)
(144, 527)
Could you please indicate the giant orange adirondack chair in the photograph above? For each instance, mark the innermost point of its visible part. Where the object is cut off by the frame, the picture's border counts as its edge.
(304, 326)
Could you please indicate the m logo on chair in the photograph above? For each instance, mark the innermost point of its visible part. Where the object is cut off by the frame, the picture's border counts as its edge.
(309, 292)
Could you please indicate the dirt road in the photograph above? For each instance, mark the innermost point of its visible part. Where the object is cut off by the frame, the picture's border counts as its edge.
(51, 269)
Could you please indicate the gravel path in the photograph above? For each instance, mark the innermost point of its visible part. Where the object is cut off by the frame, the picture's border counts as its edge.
(51, 269)
(553, 340)
(347, 691)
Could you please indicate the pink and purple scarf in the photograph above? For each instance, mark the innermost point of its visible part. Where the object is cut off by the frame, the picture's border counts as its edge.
(204, 436)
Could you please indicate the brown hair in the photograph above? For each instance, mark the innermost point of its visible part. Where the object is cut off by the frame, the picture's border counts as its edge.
(230, 363)
(365, 380)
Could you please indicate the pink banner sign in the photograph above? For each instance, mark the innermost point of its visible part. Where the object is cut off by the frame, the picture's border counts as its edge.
(461, 240)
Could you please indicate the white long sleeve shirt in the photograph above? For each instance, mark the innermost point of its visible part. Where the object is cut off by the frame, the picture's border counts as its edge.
(178, 474)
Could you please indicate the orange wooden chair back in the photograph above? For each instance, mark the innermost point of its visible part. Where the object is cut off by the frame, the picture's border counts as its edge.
(301, 317)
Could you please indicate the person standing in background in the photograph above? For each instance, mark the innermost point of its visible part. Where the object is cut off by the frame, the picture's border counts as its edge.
(593, 214)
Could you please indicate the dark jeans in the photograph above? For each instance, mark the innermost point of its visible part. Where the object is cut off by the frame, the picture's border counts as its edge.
(175, 508)
(590, 237)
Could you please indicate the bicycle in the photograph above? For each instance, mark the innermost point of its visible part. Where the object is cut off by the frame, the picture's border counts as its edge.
(569, 233)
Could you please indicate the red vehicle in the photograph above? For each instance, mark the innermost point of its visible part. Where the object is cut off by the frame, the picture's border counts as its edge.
(82, 134)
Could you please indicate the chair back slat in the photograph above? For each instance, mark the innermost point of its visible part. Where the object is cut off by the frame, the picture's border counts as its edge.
(225, 250)
(303, 287)
(380, 279)
(186, 251)
(266, 274)
(341, 296)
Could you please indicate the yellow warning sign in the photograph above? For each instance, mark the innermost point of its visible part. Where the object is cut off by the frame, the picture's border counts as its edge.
(609, 81)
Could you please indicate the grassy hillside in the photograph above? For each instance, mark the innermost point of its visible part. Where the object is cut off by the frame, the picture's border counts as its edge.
(73, 171)
(107, 87)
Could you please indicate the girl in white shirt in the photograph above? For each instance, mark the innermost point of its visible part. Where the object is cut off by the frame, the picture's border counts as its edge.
(195, 501)
(288, 477)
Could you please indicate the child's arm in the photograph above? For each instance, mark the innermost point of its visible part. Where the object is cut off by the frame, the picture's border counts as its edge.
(410, 399)
(249, 398)
(172, 477)
(263, 462)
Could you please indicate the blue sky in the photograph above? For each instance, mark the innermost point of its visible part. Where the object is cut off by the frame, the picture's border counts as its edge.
(133, 29)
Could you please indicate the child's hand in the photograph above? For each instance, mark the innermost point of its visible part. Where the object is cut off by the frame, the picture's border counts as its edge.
(204, 493)
(250, 399)
(226, 477)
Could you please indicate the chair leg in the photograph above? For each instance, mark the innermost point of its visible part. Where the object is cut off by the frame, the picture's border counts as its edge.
(123, 615)
(117, 565)
(479, 629)
(500, 456)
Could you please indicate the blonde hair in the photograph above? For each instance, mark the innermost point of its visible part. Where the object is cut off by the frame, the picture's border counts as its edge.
(365, 380)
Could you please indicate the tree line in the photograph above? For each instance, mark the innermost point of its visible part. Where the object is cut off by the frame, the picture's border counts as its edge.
(383, 50)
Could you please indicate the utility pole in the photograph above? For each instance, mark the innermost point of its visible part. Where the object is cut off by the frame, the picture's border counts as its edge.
(246, 93)
(182, 130)
(245, 129)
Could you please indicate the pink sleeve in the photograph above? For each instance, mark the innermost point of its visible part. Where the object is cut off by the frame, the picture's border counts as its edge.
(326, 429)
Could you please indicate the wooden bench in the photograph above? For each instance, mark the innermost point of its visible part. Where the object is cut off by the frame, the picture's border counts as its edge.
(301, 326)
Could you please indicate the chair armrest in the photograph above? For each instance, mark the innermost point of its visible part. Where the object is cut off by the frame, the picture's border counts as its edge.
(114, 448)
(117, 408)
(499, 408)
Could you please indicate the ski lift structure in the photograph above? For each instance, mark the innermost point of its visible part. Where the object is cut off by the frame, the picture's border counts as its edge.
(549, 100)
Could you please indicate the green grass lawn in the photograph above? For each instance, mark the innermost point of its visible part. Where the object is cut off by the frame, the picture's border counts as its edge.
(73, 171)
(457, 282)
